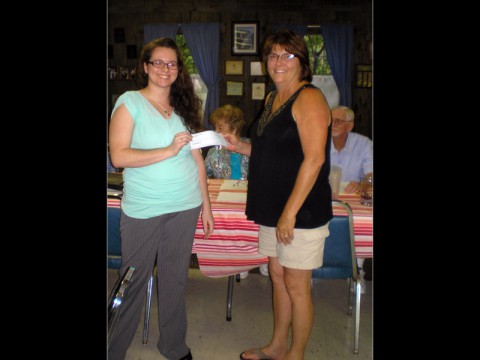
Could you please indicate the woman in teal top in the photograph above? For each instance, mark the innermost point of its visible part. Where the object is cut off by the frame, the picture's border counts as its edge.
(165, 188)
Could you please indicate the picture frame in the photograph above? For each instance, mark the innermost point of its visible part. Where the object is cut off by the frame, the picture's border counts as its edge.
(233, 67)
(119, 35)
(258, 91)
(131, 51)
(257, 68)
(234, 88)
(363, 76)
(245, 38)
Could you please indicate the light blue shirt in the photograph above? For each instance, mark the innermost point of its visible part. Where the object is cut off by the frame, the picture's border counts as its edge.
(167, 186)
(355, 159)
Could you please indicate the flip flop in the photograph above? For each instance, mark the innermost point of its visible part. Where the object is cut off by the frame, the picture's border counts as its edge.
(258, 352)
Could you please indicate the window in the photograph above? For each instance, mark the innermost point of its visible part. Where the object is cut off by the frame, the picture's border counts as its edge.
(322, 75)
(318, 55)
(200, 87)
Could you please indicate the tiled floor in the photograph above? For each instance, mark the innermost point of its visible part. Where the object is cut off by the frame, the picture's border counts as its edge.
(211, 337)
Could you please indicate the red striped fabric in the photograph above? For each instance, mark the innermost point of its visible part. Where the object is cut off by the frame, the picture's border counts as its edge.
(233, 246)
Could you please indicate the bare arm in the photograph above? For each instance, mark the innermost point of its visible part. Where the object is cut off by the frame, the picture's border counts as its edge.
(120, 139)
(312, 114)
(207, 216)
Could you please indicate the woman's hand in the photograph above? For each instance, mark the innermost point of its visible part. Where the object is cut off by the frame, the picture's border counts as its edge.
(208, 223)
(179, 141)
(285, 227)
(232, 141)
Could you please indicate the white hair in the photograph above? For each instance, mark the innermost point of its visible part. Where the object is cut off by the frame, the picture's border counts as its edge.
(349, 112)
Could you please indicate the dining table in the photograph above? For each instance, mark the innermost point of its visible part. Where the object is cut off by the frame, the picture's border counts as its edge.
(232, 248)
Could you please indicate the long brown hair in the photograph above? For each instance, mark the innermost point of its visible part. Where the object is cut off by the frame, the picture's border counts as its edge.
(182, 96)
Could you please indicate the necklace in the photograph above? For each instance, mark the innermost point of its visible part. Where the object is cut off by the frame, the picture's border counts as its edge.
(150, 98)
(268, 115)
(164, 109)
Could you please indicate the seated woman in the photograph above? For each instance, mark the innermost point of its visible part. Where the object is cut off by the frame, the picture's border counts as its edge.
(225, 164)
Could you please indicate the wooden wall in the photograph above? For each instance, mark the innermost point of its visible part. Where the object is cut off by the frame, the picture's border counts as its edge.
(132, 15)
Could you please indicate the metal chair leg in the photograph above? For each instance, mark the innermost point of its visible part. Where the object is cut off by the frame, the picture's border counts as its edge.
(147, 309)
(115, 301)
(230, 297)
(350, 294)
(358, 294)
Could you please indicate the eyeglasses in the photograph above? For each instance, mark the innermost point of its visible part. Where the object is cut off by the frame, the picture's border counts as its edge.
(340, 121)
(283, 57)
(159, 64)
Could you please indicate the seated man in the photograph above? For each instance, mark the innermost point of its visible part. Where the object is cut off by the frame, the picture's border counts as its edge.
(350, 151)
(354, 154)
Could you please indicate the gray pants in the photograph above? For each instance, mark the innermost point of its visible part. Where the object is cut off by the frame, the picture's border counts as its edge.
(168, 239)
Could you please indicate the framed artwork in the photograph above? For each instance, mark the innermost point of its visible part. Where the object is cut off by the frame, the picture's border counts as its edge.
(233, 67)
(257, 68)
(363, 76)
(119, 35)
(234, 88)
(131, 51)
(245, 38)
(258, 91)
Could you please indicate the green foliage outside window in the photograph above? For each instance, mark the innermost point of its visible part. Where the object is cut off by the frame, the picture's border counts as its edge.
(187, 57)
(318, 56)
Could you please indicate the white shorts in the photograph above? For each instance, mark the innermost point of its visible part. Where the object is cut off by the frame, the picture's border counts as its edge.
(305, 252)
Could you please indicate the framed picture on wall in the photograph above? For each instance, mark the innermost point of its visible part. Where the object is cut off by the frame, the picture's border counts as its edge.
(234, 88)
(363, 76)
(131, 51)
(234, 67)
(245, 38)
(258, 91)
(119, 35)
(257, 68)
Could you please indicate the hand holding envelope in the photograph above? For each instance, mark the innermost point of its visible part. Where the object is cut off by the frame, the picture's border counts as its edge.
(207, 138)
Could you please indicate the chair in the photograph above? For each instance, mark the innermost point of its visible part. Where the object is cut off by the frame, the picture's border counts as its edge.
(340, 262)
(114, 260)
(231, 278)
(116, 300)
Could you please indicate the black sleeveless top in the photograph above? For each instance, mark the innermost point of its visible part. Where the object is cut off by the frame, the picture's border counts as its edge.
(275, 160)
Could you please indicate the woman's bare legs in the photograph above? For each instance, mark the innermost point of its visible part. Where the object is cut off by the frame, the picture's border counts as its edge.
(298, 284)
(292, 306)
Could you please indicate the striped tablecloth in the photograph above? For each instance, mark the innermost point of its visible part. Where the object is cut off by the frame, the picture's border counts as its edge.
(233, 248)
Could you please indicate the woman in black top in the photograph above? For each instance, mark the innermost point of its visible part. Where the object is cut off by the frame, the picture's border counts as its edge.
(289, 195)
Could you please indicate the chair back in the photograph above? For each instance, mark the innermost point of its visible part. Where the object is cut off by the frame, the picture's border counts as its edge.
(339, 258)
(114, 253)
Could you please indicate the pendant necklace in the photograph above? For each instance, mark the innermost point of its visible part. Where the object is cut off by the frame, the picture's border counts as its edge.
(164, 109)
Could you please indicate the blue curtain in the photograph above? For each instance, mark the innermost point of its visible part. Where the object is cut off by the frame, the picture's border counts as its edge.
(204, 43)
(154, 31)
(338, 41)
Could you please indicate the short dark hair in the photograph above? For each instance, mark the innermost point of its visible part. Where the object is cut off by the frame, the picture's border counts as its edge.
(294, 44)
